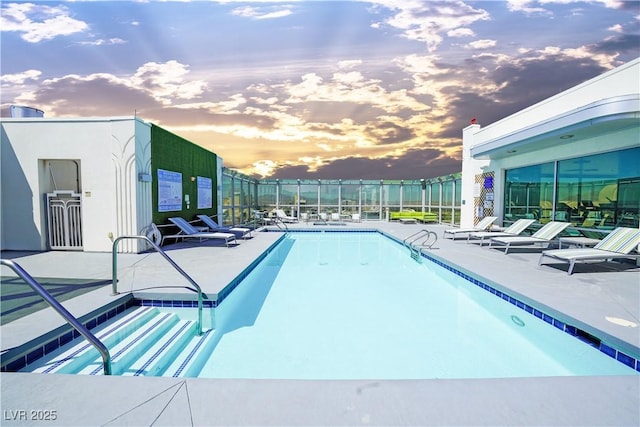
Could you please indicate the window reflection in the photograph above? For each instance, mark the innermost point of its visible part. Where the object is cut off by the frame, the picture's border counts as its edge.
(600, 191)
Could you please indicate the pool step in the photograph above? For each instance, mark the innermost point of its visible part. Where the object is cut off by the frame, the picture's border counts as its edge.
(78, 352)
(144, 342)
(193, 356)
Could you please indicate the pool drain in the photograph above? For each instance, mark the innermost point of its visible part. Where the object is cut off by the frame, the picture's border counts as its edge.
(517, 320)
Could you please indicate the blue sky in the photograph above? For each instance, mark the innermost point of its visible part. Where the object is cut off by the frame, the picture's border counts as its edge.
(311, 89)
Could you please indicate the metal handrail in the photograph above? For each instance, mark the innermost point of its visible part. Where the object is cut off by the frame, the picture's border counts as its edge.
(417, 236)
(165, 256)
(416, 249)
(277, 221)
(71, 320)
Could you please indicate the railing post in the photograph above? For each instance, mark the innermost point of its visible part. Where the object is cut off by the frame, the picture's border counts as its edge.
(114, 271)
(104, 352)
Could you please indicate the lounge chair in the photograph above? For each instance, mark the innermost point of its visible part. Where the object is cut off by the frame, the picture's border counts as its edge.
(545, 235)
(188, 231)
(283, 216)
(482, 225)
(513, 230)
(215, 227)
(617, 244)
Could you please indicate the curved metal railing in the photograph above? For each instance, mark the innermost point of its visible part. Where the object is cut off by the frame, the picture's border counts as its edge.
(71, 320)
(414, 245)
(196, 287)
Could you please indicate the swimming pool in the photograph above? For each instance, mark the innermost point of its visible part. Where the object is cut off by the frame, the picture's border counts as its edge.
(347, 305)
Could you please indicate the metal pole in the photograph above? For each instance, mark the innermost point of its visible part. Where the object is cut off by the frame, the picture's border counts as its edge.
(104, 352)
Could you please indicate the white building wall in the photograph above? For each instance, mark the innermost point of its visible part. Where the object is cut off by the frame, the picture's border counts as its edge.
(107, 151)
(618, 82)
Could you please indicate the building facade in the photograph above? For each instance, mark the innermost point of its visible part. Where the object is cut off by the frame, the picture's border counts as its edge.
(574, 157)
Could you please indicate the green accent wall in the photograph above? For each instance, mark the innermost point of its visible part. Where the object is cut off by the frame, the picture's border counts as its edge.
(173, 153)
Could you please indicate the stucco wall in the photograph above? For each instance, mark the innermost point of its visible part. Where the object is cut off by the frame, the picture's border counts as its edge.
(110, 153)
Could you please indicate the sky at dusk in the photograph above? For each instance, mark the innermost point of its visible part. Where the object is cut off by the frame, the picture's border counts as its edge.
(311, 89)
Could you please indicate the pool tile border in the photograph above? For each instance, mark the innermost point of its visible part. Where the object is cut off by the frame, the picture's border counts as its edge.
(95, 319)
(573, 331)
(49, 346)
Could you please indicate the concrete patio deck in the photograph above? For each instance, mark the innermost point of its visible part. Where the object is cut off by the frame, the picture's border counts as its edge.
(600, 299)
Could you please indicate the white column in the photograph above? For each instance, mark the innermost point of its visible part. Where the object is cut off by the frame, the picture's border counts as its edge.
(470, 168)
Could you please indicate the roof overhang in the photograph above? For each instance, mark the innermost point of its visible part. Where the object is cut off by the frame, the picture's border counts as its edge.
(598, 118)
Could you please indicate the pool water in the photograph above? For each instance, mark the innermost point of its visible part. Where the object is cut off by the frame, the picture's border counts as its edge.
(338, 305)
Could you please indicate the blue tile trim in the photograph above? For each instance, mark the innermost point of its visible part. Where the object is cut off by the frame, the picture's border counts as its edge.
(193, 352)
(143, 334)
(559, 324)
(173, 303)
(162, 348)
(19, 362)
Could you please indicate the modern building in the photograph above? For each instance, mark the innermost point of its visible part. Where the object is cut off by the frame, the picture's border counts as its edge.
(76, 184)
(573, 157)
(80, 183)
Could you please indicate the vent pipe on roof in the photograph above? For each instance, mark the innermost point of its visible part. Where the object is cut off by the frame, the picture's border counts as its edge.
(20, 111)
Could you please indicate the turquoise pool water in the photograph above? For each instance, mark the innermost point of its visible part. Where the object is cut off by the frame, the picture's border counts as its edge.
(356, 306)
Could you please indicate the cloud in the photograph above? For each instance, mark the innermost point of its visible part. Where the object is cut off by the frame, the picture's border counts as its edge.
(151, 86)
(427, 21)
(20, 79)
(482, 44)
(419, 163)
(103, 42)
(37, 22)
(261, 13)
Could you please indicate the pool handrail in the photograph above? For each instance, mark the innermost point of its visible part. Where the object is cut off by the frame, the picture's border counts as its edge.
(418, 235)
(71, 320)
(157, 248)
(277, 221)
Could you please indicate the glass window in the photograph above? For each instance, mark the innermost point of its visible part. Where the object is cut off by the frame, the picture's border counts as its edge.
(600, 191)
(266, 195)
(329, 192)
(371, 200)
(391, 194)
(412, 195)
(529, 193)
(350, 197)
(435, 194)
(308, 196)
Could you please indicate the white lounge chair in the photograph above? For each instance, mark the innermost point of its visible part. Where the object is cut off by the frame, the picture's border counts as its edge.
(284, 217)
(188, 231)
(215, 227)
(617, 244)
(513, 230)
(482, 225)
(544, 236)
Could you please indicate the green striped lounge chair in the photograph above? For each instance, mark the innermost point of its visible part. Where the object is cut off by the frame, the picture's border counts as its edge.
(513, 230)
(617, 244)
(543, 236)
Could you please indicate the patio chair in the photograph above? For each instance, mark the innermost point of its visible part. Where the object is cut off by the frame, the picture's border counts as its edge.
(188, 231)
(617, 244)
(545, 235)
(484, 224)
(513, 230)
(284, 217)
(215, 227)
